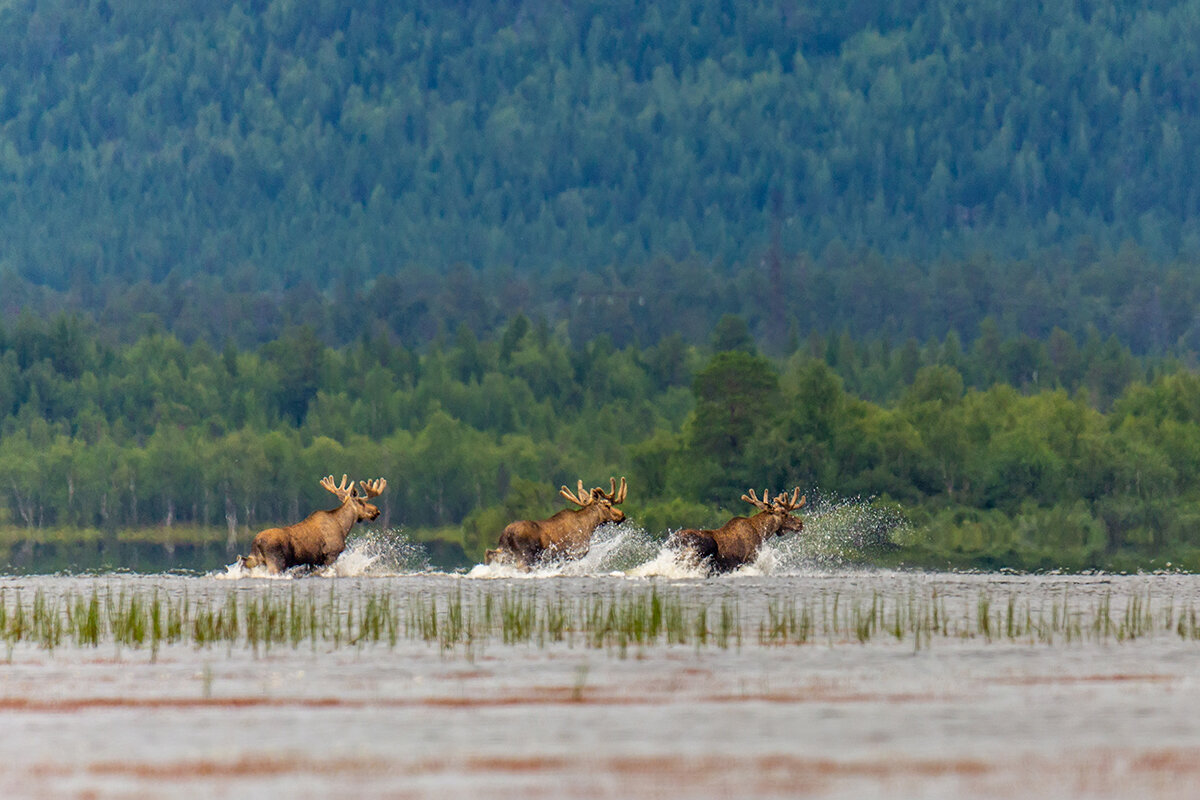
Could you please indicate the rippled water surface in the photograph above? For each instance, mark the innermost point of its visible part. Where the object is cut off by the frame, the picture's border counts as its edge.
(625, 675)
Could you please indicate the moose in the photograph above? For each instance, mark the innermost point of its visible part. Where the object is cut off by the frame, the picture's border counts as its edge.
(737, 542)
(569, 532)
(321, 537)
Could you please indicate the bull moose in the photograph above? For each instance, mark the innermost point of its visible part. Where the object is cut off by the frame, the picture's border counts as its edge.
(737, 542)
(568, 533)
(320, 538)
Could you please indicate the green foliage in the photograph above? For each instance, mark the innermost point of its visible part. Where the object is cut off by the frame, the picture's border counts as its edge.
(677, 513)
(173, 444)
(483, 247)
(232, 173)
(525, 499)
(735, 393)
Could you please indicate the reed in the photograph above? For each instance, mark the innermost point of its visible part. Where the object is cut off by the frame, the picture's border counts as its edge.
(624, 618)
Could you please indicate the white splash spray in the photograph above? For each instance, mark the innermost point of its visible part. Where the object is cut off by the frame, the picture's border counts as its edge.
(836, 531)
(669, 563)
(379, 553)
(615, 550)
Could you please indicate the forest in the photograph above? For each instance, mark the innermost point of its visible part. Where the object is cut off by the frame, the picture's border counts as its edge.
(1093, 465)
(933, 258)
(888, 168)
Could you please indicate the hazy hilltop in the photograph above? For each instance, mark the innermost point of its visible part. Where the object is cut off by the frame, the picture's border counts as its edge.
(627, 166)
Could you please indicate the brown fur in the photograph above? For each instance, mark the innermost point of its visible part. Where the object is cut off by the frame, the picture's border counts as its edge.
(568, 533)
(320, 538)
(737, 542)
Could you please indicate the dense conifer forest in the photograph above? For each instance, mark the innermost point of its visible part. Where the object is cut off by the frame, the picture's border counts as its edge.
(939, 255)
(888, 168)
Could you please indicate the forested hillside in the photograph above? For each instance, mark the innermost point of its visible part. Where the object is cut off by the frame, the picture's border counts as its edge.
(942, 255)
(890, 168)
(1092, 463)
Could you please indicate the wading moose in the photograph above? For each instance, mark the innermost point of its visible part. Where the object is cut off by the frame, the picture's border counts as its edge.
(567, 533)
(320, 538)
(737, 541)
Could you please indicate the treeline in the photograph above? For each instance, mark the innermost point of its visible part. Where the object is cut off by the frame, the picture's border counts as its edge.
(1089, 463)
(231, 167)
(860, 296)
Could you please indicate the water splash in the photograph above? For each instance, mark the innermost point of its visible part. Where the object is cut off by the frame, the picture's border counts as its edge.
(615, 549)
(379, 553)
(369, 553)
(669, 563)
(237, 571)
(836, 531)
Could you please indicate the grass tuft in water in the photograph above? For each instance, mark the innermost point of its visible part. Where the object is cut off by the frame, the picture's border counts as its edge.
(621, 619)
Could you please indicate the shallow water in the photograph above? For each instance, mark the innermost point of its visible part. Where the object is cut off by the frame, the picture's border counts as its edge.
(966, 709)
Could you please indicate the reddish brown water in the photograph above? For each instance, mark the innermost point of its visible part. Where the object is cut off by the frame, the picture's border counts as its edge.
(959, 716)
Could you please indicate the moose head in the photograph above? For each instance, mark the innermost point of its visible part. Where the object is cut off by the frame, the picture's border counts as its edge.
(350, 497)
(780, 509)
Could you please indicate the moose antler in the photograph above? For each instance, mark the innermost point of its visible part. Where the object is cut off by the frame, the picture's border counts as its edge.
(781, 502)
(761, 505)
(785, 503)
(373, 488)
(580, 499)
(343, 492)
(614, 495)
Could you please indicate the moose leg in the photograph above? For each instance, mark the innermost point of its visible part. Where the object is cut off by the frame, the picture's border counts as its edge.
(722, 564)
(518, 545)
(502, 556)
(527, 554)
(503, 552)
(265, 551)
(695, 546)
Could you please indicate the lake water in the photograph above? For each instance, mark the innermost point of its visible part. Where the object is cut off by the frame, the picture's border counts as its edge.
(791, 678)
